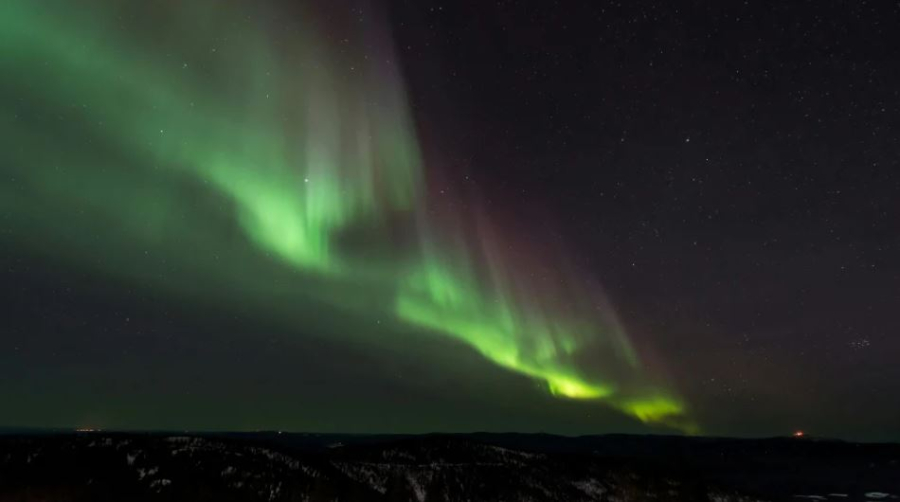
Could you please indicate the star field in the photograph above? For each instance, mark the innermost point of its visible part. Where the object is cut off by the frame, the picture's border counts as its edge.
(573, 217)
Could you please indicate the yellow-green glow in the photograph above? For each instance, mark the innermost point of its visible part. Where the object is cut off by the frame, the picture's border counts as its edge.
(436, 299)
(658, 409)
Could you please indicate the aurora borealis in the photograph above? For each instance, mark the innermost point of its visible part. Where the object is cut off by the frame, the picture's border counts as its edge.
(314, 161)
(293, 169)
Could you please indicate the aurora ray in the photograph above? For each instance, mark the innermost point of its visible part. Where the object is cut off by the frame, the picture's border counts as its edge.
(308, 148)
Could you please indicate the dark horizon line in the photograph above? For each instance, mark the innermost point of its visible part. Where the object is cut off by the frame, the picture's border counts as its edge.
(24, 430)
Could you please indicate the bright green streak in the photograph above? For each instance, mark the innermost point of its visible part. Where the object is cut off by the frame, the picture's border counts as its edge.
(485, 315)
(285, 161)
(216, 136)
(435, 298)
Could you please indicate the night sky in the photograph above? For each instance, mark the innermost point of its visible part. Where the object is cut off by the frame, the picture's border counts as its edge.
(415, 216)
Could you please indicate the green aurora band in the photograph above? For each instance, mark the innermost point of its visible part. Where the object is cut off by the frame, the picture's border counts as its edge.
(304, 149)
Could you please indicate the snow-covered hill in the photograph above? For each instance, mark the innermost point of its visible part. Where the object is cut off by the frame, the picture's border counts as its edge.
(266, 467)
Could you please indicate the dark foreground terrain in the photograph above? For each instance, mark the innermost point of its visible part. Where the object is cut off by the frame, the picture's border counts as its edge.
(103, 467)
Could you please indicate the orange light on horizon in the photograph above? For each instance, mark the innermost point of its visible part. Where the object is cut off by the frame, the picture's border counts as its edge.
(798, 434)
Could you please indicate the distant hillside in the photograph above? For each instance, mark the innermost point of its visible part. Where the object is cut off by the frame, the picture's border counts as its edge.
(272, 466)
